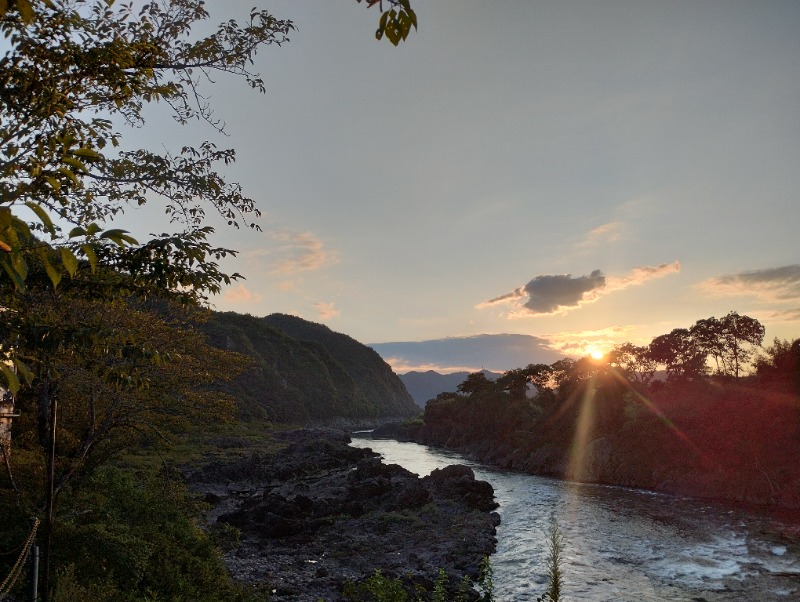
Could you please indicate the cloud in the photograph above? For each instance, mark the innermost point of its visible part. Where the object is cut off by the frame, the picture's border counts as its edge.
(295, 252)
(789, 315)
(241, 294)
(497, 352)
(641, 275)
(771, 284)
(326, 310)
(401, 365)
(549, 294)
(553, 294)
(580, 343)
(605, 234)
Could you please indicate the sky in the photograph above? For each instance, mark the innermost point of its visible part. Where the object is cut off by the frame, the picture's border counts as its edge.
(583, 173)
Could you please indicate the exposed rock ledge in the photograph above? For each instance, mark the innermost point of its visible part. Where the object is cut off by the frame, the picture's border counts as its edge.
(320, 513)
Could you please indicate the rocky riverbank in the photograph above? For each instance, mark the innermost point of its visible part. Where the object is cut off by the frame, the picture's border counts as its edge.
(320, 513)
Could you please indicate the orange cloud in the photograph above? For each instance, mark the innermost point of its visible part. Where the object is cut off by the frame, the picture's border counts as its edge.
(326, 310)
(241, 294)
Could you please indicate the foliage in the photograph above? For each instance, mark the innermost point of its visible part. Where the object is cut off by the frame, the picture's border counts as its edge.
(121, 374)
(380, 588)
(396, 21)
(373, 377)
(780, 364)
(555, 549)
(74, 68)
(290, 380)
(134, 537)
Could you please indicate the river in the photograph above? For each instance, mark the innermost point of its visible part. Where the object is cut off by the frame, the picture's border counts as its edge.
(623, 544)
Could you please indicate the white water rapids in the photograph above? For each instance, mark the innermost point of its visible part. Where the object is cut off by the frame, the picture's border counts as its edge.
(623, 544)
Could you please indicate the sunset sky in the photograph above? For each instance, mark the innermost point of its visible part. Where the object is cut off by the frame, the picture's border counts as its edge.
(585, 172)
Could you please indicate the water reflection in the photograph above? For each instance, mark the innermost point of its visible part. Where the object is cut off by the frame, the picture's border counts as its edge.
(622, 544)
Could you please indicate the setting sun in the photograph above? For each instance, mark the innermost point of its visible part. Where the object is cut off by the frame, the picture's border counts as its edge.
(595, 352)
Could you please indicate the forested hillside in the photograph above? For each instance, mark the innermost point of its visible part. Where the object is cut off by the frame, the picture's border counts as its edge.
(731, 431)
(304, 372)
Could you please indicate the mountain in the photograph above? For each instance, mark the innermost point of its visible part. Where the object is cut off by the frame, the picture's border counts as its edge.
(427, 385)
(303, 372)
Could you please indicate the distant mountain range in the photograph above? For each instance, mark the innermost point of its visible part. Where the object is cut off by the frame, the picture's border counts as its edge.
(426, 385)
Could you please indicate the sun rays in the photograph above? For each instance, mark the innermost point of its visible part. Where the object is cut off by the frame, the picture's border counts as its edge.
(581, 460)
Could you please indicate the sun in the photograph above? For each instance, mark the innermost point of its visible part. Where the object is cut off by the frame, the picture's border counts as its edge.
(596, 354)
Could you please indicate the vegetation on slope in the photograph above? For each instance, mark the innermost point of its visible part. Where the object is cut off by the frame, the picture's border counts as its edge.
(609, 420)
(304, 372)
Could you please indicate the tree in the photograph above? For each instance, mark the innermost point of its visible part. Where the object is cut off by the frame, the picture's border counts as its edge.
(708, 335)
(73, 73)
(680, 354)
(780, 362)
(634, 361)
(475, 384)
(514, 383)
(740, 334)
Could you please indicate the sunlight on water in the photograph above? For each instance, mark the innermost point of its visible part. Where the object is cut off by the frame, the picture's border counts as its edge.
(621, 544)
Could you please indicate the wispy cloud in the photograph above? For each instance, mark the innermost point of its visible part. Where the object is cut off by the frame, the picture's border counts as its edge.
(558, 294)
(602, 235)
(241, 294)
(771, 284)
(326, 311)
(789, 315)
(295, 252)
(641, 275)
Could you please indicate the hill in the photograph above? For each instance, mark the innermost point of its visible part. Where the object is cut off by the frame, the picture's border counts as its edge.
(426, 385)
(304, 372)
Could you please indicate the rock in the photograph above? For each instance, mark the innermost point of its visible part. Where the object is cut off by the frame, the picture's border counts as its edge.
(326, 513)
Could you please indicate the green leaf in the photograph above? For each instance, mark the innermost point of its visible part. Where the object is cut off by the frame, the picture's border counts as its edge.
(19, 282)
(119, 236)
(70, 261)
(24, 370)
(43, 216)
(67, 172)
(77, 231)
(91, 256)
(9, 377)
(87, 153)
(52, 273)
(75, 163)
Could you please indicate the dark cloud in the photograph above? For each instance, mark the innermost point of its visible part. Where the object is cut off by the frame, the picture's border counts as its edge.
(496, 352)
(775, 284)
(548, 294)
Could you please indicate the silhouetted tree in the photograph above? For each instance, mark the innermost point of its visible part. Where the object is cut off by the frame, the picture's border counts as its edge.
(634, 361)
(679, 353)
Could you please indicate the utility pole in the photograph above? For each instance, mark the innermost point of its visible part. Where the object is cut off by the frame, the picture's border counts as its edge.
(48, 520)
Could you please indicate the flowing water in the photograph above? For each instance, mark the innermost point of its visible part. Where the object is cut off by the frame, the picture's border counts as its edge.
(623, 544)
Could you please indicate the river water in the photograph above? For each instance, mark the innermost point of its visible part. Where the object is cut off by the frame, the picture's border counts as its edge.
(623, 544)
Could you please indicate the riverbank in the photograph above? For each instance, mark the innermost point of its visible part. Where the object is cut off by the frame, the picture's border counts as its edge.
(320, 513)
(737, 444)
